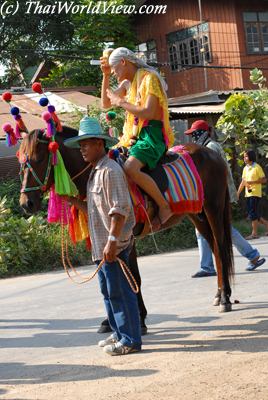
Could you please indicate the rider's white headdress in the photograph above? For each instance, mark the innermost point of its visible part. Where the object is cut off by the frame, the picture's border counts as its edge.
(123, 53)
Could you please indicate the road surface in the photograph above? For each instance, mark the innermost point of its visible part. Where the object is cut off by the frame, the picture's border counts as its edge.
(48, 337)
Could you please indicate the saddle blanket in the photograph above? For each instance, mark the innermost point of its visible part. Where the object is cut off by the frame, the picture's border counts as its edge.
(185, 189)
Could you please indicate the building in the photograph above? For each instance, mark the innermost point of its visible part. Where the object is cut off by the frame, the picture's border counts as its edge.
(229, 38)
(206, 50)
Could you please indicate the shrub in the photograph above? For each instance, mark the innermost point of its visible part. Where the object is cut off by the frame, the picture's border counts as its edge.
(10, 189)
(179, 237)
(31, 245)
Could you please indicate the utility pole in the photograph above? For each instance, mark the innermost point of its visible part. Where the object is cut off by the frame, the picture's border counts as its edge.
(202, 50)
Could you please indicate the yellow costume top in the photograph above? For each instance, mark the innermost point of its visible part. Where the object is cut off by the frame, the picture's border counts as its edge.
(144, 84)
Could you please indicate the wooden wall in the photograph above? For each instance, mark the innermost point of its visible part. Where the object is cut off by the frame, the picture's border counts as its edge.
(227, 41)
(249, 60)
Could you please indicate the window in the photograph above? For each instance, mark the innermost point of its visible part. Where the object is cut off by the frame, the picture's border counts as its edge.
(148, 51)
(173, 57)
(189, 47)
(256, 30)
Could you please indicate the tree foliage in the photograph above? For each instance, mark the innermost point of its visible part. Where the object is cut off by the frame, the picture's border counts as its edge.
(245, 119)
(25, 38)
(91, 35)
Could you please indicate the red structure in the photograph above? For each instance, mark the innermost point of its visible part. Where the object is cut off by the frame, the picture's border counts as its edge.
(205, 45)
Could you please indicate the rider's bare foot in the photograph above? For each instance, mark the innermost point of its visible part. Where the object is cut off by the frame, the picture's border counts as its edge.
(165, 214)
(156, 224)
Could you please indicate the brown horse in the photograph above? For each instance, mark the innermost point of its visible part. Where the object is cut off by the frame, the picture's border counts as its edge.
(213, 223)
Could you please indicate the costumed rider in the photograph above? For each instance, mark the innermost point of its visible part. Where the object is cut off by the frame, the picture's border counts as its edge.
(147, 132)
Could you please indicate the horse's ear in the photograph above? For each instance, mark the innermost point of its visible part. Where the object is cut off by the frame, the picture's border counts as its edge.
(41, 135)
(24, 135)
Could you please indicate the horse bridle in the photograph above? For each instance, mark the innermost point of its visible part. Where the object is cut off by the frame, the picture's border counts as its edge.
(41, 185)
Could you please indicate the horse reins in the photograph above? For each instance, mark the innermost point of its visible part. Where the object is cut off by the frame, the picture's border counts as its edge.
(65, 257)
(42, 185)
(81, 172)
(64, 242)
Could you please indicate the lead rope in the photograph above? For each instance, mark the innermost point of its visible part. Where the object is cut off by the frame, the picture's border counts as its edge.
(151, 226)
(65, 257)
(81, 172)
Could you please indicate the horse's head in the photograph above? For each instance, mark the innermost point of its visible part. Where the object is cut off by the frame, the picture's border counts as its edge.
(36, 172)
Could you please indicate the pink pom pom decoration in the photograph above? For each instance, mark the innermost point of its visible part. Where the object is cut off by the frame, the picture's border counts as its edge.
(50, 124)
(11, 139)
(46, 116)
(7, 127)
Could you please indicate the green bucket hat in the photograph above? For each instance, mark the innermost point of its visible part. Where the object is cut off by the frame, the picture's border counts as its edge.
(90, 128)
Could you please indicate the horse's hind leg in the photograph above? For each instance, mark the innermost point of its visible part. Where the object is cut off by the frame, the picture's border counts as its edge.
(202, 225)
(222, 249)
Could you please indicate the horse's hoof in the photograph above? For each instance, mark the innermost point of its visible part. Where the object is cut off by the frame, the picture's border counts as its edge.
(225, 307)
(216, 301)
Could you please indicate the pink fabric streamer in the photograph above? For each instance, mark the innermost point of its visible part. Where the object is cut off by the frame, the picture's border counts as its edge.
(50, 128)
(54, 159)
(17, 132)
(55, 205)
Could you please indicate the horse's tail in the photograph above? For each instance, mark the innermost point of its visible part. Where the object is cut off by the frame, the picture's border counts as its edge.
(227, 248)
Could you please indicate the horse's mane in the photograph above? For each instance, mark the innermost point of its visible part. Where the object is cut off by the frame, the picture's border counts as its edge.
(29, 143)
(67, 132)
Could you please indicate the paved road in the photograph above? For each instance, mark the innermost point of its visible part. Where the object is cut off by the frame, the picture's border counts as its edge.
(48, 337)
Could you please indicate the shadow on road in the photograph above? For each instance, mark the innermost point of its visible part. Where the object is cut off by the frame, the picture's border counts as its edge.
(241, 337)
(20, 373)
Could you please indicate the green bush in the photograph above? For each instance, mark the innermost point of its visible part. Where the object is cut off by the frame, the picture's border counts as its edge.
(31, 245)
(179, 237)
(11, 190)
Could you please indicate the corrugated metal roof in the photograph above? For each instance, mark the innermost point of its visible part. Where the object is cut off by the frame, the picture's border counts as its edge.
(210, 96)
(31, 122)
(80, 99)
(31, 111)
(198, 109)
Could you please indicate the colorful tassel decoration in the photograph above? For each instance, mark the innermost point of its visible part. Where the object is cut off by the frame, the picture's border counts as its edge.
(37, 87)
(55, 118)
(63, 183)
(15, 112)
(50, 124)
(53, 148)
(44, 101)
(11, 139)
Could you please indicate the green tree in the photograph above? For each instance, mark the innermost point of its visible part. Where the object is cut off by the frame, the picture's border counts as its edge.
(91, 35)
(26, 37)
(244, 122)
